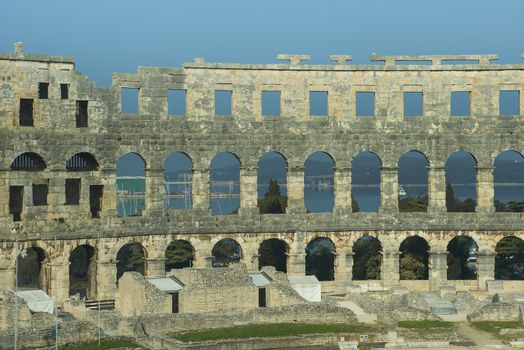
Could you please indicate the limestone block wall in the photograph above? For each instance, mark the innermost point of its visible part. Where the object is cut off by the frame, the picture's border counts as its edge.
(136, 296)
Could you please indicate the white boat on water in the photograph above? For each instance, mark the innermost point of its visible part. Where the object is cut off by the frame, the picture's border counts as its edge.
(401, 191)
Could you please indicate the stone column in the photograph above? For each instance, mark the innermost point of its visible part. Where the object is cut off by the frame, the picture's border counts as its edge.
(438, 270)
(296, 263)
(201, 190)
(485, 190)
(342, 177)
(248, 190)
(202, 257)
(437, 190)
(154, 190)
(8, 273)
(109, 199)
(390, 268)
(4, 188)
(106, 279)
(295, 190)
(58, 284)
(485, 269)
(156, 267)
(389, 190)
(344, 265)
(56, 194)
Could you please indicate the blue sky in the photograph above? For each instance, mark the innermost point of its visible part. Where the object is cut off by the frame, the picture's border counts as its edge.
(119, 35)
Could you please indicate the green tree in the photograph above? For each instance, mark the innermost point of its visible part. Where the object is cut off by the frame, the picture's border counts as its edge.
(413, 204)
(451, 203)
(414, 259)
(226, 251)
(459, 250)
(179, 254)
(509, 261)
(354, 205)
(273, 202)
(272, 252)
(366, 259)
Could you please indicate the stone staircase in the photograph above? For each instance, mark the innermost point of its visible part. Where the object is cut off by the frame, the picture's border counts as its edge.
(444, 309)
(361, 315)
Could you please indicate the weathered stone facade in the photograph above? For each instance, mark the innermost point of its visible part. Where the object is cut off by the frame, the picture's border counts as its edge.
(153, 134)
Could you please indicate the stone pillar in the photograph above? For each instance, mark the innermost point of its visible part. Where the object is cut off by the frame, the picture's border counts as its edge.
(485, 269)
(295, 190)
(58, 284)
(154, 190)
(248, 190)
(201, 190)
(390, 268)
(8, 273)
(202, 257)
(155, 267)
(296, 264)
(485, 190)
(342, 177)
(437, 190)
(438, 270)
(344, 265)
(106, 279)
(109, 199)
(4, 188)
(56, 194)
(389, 190)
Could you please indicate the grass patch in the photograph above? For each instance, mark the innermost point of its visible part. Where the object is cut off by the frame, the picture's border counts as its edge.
(267, 331)
(494, 327)
(426, 324)
(104, 345)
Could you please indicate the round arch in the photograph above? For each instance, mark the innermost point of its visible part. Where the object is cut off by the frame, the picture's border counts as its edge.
(509, 259)
(82, 271)
(226, 251)
(272, 183)
(413, 182)
(31, 272)
(179, 254)
(461, 182)
(225, 184)
(82, 161)
(367, 258)
(365, 182)
(462, 258)
(508, 178)
(29, 161)
(320, 259)
(319, 195)
(414, 259)
(131, 257)
(273, 252)
(178, 181)
(131, 184)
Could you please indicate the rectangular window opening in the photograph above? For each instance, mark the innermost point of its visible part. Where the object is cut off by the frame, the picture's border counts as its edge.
(175, 303)
(81, 114)
(460, 104)
(72, 191)
(26, 112)
(509, 102)
(129, 100)
(413, 104)
(176, 102)
(43, 91)
(64, 91)
(95, 200)
(318, 103)
(262, 297)
(271, 103)
(223, 102)
(40, 192)
(365, 104)
(16, 202)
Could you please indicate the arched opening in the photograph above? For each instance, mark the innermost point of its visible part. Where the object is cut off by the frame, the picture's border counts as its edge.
(509, 261)
(226, 251)
(508, 178)
(461, 182)
(131, 257)
(82, 162)
(414, 259)
(413, 182)
(272, 184)
(178, 170)
(319, 196)
(365, 182)
(179, 254)
(273, 252)
(320, 259)
(28, 162)
(225, 184)
(130, 185)
(82, 272)
(30, 273)
(462, 258)
(367, 258)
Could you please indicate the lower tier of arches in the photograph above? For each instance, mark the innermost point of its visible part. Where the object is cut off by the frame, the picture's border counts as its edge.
(418, 260)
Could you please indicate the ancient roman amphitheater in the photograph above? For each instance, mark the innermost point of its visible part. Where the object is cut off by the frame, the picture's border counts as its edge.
(62, 136)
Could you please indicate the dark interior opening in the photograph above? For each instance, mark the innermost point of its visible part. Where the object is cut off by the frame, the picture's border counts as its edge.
(40, 192)
(26, 112)
(81, 114)
(95, 200)
(175, 303)
(64, 91)
(72, 191)
(43, 91)
(16, 202)
(261, 297)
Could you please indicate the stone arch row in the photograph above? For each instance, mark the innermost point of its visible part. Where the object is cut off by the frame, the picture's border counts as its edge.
(321, 259)
(87, 161)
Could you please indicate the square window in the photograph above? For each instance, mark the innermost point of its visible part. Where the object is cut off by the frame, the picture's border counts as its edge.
(271, 103)
(318, 103)
(40, 192)
(26, 112)
(129, 101)
(413, 104)
(176, 102)
(223, 102)
(72, 191)
(64, 91)
(460, 104)
(365, 102)
(43, 91)
(509, 102)
(81, 114)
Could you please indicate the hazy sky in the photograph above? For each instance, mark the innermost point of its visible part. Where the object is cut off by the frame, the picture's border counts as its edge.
(119, 35)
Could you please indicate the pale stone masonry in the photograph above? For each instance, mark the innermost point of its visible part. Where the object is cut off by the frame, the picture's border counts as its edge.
(89, 120)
